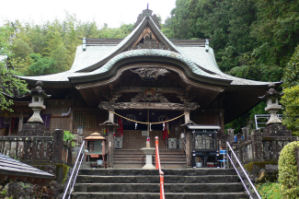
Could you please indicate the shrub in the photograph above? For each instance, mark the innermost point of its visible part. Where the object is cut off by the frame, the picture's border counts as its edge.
(68, 137)
(269, 190)
(288, 171)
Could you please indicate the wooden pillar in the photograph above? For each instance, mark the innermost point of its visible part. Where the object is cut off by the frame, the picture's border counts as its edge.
(187, 116)
(188, 147)
(110, 116)
(111, 128)
(221, 120)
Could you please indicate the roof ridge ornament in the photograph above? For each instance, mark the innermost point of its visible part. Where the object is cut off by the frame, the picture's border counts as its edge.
(207, 45)
(147, 13)
(84, 43)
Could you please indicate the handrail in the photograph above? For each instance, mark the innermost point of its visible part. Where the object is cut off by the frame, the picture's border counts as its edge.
(253, 193)
(158, 167)
(72, 179)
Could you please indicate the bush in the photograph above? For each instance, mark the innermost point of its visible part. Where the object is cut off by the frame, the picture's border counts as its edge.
(68, 137)
(290, 100)
(269, 190)
(288, 171)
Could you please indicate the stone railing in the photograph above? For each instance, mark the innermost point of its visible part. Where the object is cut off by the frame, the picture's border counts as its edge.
(37, 149)
(262, 144)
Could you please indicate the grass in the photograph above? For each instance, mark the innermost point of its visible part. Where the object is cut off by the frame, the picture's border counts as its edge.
(269, 190)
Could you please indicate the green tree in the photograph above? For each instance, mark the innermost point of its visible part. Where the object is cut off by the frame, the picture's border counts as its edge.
(291, 74)
(10, 87)
(40, 65)
(290, 100)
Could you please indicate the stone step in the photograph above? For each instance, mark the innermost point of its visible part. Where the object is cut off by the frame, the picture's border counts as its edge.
(156, 179)
(142, 153)
(208, 183)
(128, 166)
(136, 161)
(117, 172)
(142, 159)
(138, 172)
(147, 195)
(155, 187)
(116, 156)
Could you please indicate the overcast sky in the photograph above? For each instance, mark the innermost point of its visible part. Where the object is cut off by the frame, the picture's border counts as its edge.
(112, 12)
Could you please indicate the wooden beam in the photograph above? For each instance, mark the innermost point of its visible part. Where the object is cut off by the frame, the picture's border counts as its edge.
(148, 105)
(142, 89)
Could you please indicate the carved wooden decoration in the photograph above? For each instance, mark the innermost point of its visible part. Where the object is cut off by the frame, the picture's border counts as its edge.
(148, 105)
(149, 73)
(148, 40)
(149, 95)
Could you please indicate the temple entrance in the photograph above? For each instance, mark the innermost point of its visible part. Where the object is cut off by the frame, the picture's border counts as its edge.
(135, 139)
(133, 130)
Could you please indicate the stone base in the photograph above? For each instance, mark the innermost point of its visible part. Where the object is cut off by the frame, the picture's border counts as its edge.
(148, 166)
(33, 129)
(277, 129)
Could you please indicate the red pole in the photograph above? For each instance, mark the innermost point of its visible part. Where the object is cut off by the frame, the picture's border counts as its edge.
(162, 186)
(157, 149)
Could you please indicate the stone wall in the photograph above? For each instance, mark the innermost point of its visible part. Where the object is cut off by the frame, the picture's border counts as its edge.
(262, 144)
(43, 151)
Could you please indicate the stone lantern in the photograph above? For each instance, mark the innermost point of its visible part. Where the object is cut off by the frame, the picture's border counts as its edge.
(37, 103)
(272, 107)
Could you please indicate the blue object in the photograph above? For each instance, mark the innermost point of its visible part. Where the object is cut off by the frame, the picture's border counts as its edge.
(235, 138)
(99, 162)
(222, 152)
(222, 160)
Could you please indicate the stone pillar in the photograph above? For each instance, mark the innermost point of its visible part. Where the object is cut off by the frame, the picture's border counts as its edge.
(257, 145)
(245, 132)
(21, 119)
(231, 133)
(58, 146)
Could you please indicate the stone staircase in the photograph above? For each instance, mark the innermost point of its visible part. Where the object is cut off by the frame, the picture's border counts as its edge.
(135, 158)
(207, 183)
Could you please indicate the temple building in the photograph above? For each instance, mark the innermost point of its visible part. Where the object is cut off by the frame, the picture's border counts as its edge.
(143, 85)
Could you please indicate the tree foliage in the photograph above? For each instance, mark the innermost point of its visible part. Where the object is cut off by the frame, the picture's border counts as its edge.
(290, 100)
(10, 87)
(29, 49)
(253, 39)
(50, 48)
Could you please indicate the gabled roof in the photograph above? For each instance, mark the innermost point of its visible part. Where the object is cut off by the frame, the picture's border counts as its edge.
(97, 57)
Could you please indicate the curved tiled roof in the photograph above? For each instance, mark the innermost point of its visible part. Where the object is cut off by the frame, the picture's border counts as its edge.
(100, 57)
